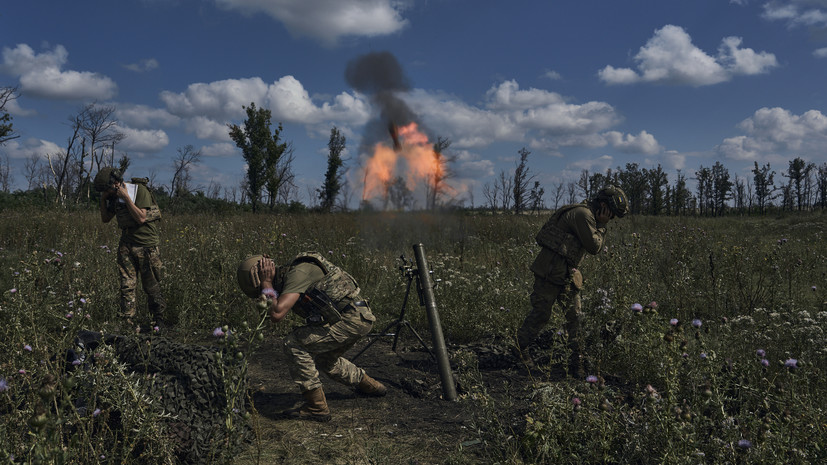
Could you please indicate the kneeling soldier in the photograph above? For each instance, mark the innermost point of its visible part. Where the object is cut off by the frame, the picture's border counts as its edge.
(335, 315)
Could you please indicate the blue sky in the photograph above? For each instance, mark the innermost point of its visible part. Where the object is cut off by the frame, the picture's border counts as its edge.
(581, 84)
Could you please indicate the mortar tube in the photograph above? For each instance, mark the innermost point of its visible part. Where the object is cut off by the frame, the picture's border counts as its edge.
(449, 391)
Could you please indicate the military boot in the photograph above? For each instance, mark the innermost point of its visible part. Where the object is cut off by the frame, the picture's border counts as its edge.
(314, 407)
(370, 387)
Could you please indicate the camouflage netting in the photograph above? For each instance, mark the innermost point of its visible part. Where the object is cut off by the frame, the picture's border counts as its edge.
(186, 384)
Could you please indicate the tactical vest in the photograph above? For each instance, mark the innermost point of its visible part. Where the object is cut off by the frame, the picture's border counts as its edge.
(337, 285)
(553, 237)
(125, 220)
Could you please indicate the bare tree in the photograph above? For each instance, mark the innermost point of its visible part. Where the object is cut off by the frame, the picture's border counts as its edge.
(7, 94)
(187, 157)
(6, 178)
(345, 196)
(521, 182)
(491, 194)
(557, 193)
(99, 130)
(505, 187)
(571, 188)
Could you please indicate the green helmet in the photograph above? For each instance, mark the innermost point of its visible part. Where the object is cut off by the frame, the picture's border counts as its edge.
(247, 276)
(105, 177)
(616, 200)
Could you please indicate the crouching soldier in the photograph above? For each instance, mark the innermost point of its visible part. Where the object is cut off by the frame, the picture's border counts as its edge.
(335, 318)
(137, 213)
(570, 233)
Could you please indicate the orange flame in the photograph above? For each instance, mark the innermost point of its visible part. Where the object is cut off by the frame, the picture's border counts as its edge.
(415, 157)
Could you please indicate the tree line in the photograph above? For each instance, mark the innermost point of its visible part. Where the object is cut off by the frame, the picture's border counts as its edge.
(65, 177)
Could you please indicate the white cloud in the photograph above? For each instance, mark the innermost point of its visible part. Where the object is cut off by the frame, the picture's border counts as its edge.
(670, 57)
(777, 131)
(553, 75)
(218, 99)
(41, 75)
(643, 143)
(821, 52)
(21, 149)
(328, 20)
(143, 66)
(795, 13)
(220, 150)
(206, 128)
(595, 165)
(471, 166)
(143, 117)
(142, 140)
(675, 160)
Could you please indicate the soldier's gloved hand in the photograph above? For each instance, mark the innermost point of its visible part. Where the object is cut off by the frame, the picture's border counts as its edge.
(604, 214)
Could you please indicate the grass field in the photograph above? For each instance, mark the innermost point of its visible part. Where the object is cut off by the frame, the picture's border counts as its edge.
(724, 362)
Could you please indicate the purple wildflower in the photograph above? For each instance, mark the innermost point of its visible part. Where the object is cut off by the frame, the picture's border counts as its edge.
(156, 329)
(82, 300)
(13, 290)
(791, 363)
(744, 443)
(21, 371)
(575, 401)
(765, 362)
(814, 288)
(637, 308)
(75, 362)
(673, 322)
(4, 386)
(218, 332)
(591, 379)
(703, 355)
(760, 352)
(96, 412)
(69, 315)
(27, 348)
(696, 323)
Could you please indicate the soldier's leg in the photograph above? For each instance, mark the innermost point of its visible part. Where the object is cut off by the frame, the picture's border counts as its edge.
(151, 282)
(127, 271)
(543, 297)
(301, 347)
(346, 332)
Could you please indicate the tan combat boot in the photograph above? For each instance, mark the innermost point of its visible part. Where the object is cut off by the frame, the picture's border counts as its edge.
(314, 407)
(370, 387)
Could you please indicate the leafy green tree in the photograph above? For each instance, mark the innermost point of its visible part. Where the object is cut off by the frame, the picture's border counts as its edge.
(262, 152)
(656, 180)
(333, 176)
(633, 182)
(762, 179)
(799, 175)
(721, 188)
(704, 190)
(821, 184)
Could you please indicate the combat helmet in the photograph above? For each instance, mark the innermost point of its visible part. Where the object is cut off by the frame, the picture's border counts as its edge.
(616, 200)
(247, 276)
(105, 177)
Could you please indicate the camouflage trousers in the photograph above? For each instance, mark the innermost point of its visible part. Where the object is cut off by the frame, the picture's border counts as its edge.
(543, 297)
(311, 349)
(135, 261)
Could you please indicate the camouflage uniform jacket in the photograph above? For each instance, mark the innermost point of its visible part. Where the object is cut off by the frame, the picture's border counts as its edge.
(336, 284)
(570, 233)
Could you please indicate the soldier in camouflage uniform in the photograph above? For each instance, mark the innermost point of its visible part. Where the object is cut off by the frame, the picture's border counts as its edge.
(335, 318)
(137, 215)
(570, 233)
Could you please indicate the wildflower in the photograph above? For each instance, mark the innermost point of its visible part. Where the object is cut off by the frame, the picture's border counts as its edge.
(4, 386)
(653, 305)
(637, 308)
(696, 323)
(814, 288)
(744, 443)
(13, 290)
(591, 379)
(21, 371)
(760, 352)
(576, 401)
(96, 412)
(218, 332)
(791, 363)
(69, 315)
(703, 355)
(765, 362)
(82, 300)
(330, 252)
(673, 322)
(27, 348)
(75, 362)
(156, 329)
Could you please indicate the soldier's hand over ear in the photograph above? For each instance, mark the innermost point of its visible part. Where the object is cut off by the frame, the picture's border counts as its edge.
(604, 214)
(266, 270)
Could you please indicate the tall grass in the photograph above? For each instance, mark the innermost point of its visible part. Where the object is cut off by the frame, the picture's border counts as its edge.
(664, 390)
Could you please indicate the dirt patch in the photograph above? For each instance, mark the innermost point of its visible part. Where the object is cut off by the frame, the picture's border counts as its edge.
(412, 424)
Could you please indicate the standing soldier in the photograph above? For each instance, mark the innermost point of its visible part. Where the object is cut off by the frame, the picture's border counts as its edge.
(137, 213)
(565, 238)
(335, 317)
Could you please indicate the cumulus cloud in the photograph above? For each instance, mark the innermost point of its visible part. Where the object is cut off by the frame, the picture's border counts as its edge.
(27, 148)
(220, 150)
(670, 57)
(143, 66)
(205, 108)
(821, 52)
(777, 130)
(797, 13)
(328, 20)
(597, 165)
(143, 117)
(41, 75)
(143, 140)
(643, 143)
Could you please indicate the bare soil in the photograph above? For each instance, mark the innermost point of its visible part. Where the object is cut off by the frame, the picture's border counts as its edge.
(412, 424)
